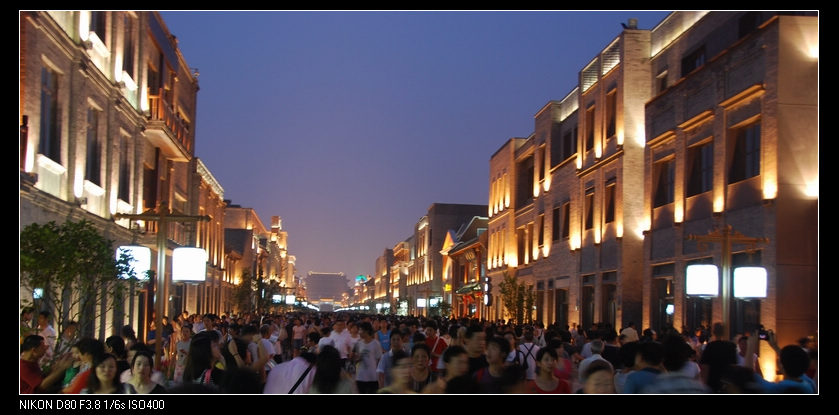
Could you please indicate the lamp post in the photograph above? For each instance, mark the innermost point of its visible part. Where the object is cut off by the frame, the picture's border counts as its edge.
(163, 218)
(726, 237)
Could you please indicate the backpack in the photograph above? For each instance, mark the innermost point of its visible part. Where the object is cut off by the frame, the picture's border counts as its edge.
(522, 361)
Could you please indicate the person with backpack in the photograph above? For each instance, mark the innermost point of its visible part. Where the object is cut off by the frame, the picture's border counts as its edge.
(526, 355)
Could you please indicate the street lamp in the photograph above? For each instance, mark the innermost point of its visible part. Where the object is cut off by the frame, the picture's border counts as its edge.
(726, 237)
(163, 217)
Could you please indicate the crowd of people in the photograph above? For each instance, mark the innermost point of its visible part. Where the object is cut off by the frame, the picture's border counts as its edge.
(342, 353)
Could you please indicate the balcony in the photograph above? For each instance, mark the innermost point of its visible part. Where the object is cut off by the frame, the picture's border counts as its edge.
(167, 131)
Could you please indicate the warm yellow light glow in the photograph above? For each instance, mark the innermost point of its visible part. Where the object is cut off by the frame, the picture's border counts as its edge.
(576, 241)
(813, 51)
(679, 213)
(620, 136)
(640, 136)
(511, 260)
(84, 25)
(597, 236)
(812, 189)
(29, 164)
(619, 230)
(719, 205)
(767, 366)
(78, 183)
(547, 184)
(144, 100)
(579, 161)
(546, 250)
(507, 200)
(770, 188)
(598, 151)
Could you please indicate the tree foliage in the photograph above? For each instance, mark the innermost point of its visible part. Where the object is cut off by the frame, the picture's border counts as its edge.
(243, 293)
(75, 267)
(518, 299)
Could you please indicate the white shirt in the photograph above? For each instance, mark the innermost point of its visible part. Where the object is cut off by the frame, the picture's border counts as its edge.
(342, 342)
(283, 377)
(369, 353)
(531, 358)
(631, 335)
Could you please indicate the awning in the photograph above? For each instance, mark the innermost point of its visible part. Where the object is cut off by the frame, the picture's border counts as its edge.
(469, 288)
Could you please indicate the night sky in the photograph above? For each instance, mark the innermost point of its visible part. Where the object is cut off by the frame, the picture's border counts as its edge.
(349, 125)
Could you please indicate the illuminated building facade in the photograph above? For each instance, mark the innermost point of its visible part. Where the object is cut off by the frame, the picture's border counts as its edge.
(107, 110)
(562, 197)
(709, 120)
(732, 140)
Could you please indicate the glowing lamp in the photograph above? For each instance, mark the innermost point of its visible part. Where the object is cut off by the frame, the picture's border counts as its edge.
(289, 299)
(189, 264)
(421, 302)
(750, 282)
(140, 262)
(702, 280)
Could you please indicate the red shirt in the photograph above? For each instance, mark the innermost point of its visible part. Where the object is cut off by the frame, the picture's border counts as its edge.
(561, 387)
(437, 346)
(30, 376)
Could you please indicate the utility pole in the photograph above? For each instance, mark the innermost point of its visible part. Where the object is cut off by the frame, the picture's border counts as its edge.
(726, 237)
(163, 217)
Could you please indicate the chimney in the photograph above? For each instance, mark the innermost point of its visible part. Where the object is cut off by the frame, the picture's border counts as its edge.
(632, 24)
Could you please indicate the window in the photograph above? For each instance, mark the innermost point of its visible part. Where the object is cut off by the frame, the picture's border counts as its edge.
(97, 24)
(555, 224)
(611, 113)
(153, 76)
(128, 47)
(566, 219)
(541, 163)
(590, 128)
(50, 140)
(569, 144)
(609, 215)
(589, 218)
(93, 163)
(661, 81)
(541, 230)
(694, 60)
(665, 178)
(124, 171)
(701, 169)
(521, 244)
(524, 173)
(745, 162)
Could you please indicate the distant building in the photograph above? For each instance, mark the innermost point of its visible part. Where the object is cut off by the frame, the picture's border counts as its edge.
(425, 274)
(464, 268)
(325, 289)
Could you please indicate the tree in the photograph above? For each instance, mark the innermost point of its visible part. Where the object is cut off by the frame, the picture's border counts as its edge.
(73, 267)
(518, 299)
(243, 293)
